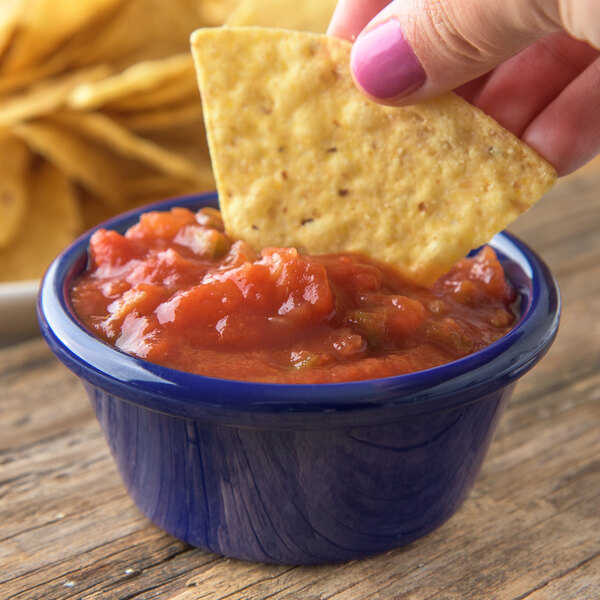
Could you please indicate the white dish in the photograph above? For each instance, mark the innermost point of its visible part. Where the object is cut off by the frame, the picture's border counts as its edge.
(18, 319)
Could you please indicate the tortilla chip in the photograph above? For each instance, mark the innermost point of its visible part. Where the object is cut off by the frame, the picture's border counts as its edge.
(139, 78)
(163, 117)
(47, 97)
(70, 54)
(52, 221)
(172, 92)
(15, 159)
(142, 30)
(84, 163)
(105, 131)
(115, 34)
(215, 12)
(302, 159)
(308, 15)
(107, 160)
(188, 140)
(55, 65)
(143, 190)
(10, 14)
(45, 24)
(93, 211)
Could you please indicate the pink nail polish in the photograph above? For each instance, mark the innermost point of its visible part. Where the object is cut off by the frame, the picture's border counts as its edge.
(383, 62)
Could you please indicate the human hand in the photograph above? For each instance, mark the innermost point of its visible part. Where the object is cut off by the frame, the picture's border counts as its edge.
(533, 65)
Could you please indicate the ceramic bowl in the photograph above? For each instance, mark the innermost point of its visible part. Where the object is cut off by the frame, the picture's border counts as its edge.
(299, 474)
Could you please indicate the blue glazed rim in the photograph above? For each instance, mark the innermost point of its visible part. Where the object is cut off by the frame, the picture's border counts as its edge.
(328, 405)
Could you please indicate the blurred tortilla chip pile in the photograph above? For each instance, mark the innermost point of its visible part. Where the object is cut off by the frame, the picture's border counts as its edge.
(100, 112)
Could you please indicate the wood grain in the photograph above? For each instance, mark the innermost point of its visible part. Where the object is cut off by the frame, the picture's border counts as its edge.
(530, 529)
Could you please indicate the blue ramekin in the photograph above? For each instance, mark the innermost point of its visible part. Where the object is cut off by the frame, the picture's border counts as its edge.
(299, 474)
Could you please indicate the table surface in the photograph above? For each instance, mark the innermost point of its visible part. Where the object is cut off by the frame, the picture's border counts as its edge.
(529, 530)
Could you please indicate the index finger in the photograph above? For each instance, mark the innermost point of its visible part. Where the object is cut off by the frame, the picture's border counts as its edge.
(351, 16)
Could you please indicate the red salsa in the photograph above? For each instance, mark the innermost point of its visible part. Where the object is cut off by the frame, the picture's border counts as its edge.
(175, 290)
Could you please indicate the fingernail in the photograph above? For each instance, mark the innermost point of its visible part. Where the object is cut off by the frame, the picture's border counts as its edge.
(383, 62)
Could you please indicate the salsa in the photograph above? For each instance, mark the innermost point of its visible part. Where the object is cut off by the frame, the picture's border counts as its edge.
(177, 291)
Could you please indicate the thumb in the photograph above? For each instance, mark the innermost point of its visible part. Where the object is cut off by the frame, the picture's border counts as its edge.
(416, 49)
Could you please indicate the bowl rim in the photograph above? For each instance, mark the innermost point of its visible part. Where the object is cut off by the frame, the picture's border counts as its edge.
(188, 395)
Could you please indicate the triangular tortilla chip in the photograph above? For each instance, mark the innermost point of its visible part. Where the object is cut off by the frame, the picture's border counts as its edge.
(301, 158)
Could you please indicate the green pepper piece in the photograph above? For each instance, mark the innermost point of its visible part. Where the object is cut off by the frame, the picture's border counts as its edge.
(304, 360)
(371, 325)
(210, 217)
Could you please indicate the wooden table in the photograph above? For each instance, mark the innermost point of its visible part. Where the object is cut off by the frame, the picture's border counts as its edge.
(530, 529)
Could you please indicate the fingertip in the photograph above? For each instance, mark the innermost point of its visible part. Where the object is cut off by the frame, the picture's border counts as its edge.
(560, 154)
(345, 23)
(565, 133)
(383, 63)
(338, 26)
(351, 16)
